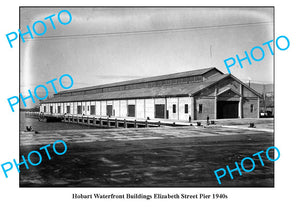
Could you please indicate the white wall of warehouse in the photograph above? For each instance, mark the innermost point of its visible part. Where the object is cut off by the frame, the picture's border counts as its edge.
(143, 107)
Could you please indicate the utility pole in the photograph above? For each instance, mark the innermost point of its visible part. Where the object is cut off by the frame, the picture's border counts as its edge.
(264, 95)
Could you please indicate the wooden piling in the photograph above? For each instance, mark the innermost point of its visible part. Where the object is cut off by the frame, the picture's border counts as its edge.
(125, 123)
(134, 125)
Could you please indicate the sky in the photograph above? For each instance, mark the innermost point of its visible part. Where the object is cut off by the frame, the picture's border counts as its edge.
(105, 45)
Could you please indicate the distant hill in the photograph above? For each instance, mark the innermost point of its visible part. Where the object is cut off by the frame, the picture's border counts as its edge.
(267, 103)
(35, 109)
(269, 88)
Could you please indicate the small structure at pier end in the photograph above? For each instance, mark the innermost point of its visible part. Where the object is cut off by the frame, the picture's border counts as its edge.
(185, 96)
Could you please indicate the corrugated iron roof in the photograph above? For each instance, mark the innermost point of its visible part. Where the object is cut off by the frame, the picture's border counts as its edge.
(162, 91)
(148, 79)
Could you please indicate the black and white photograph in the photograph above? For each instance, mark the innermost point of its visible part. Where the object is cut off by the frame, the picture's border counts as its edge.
(149, 106)
(147, 96)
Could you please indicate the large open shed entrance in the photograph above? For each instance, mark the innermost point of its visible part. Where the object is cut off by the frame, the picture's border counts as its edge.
(227, 109)
(159, 111)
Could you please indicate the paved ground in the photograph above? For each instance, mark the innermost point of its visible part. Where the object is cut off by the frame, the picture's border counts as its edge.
(98, 135)
(155, 157)
(266, 124)
(243, 121)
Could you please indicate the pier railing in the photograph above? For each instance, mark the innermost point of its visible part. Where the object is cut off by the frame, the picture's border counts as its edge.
(102, 121)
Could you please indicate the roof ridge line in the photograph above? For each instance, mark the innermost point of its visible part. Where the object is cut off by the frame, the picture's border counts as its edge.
(144, 80)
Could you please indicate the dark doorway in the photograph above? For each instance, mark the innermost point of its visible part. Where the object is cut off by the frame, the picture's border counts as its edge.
(79, 110)
(93, 110)
(131, 110)
(227, 109)
(68, 109)
(109, 110)
(159, 111)
(51, 109)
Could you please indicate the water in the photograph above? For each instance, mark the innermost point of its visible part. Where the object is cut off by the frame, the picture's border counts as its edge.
(41, 126)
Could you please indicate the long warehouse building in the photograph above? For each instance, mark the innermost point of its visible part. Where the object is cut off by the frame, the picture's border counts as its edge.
(184, 96)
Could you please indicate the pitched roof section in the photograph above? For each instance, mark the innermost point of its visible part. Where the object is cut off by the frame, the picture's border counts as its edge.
(149, 79)
(245, 85)
(209, 82)
(154, 92)
(187, 89)
(229, 90)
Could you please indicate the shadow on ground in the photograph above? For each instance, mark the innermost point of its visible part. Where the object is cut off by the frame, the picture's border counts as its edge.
(175, 162)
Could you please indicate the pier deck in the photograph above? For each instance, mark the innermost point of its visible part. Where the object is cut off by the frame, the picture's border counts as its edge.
(100, 121)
